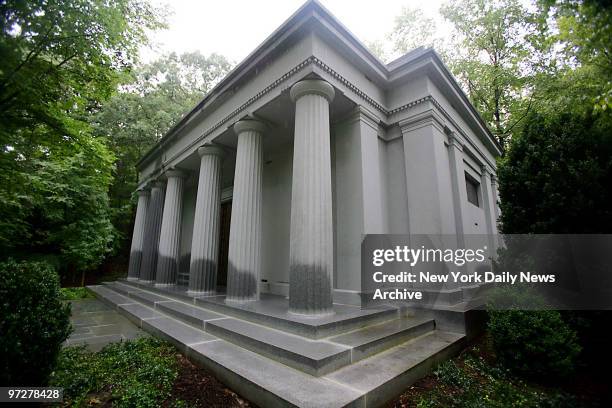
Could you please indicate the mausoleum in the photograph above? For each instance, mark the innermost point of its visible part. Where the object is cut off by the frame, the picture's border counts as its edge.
(251, 212)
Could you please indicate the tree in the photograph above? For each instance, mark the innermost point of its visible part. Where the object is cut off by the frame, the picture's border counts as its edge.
(412, 29)
(494, 58)
(582, 31)
(150, 102)
(60, 60)
(556, 175)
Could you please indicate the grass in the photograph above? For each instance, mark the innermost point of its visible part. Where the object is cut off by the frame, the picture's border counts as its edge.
(76, 293)
(138, 373)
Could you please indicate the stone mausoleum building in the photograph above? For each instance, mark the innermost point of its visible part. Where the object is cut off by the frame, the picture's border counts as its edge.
(253, 208)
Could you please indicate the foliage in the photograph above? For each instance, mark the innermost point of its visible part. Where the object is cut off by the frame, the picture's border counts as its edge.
(33, 322)
(137, 373)
(60, 60)
(471, 381)
(152, 99)
(583, 32)
(556, 175)
(449, 373)
(536, 343)
(56, 202)
(61, 57)
(75, 293)
(412, 29)
(492, 57)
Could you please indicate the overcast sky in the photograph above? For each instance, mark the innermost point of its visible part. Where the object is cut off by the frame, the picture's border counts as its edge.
(235, 27)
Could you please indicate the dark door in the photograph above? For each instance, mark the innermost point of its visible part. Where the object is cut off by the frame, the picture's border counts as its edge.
(224, 231)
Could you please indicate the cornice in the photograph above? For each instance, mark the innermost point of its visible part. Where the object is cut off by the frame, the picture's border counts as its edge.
(385, 112)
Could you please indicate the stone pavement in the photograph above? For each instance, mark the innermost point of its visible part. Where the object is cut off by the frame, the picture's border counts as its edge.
(96, 324)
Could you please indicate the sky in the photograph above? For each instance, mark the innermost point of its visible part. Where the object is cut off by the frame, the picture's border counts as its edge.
(234, 28)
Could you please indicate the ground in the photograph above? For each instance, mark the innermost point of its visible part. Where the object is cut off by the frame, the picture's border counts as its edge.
(96, 325)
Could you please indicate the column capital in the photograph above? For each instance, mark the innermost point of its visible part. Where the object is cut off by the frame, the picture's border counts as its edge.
(249, 124)
(454, 140)
(210, 149)
(312, 87)
(144, 190)
(174, 173)
(158, 184)
(486, 170)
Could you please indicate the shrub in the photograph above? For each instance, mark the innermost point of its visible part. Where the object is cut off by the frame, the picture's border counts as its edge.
(536, 343)
(76, 293)
(136, 373)
(33, 322)
(450, 374)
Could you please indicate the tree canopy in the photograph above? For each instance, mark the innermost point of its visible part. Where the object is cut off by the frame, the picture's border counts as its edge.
(60, 60)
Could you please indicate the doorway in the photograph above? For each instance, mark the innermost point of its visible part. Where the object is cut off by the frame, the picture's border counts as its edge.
(224, 233)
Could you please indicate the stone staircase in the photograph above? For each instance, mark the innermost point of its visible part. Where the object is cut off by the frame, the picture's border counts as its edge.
(355, 357)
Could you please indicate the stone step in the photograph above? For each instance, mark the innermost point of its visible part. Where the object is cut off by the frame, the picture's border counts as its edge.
(121, 288)
(311, 356)
(175, 332)
(385, 375)
(370, 382)
(109, 296)
(344, 319)
(138, 313)
(192, 315)
(268, 383)
(315, 357)
(148, 298)
(272, 312)
(376, 338)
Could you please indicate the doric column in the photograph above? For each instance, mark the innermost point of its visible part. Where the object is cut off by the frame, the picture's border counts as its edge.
(138, 234)
(244, 258)
(457, 169)
(152, 231)
(311, 238)
(205, 242)
(170, 237)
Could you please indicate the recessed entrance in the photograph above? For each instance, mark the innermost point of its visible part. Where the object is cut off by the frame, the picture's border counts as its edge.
(224, 232)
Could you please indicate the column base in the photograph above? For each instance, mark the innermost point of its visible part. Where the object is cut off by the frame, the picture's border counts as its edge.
(164, 285)
(231, 301)
(202, 292)
(312, 315)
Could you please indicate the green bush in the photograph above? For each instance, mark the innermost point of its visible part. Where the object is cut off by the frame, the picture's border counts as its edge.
(450, 374)
(76, 293)
(33, 322)
(136, 373)
(534, 343)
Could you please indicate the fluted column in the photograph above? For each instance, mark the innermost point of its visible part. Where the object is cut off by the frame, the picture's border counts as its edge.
(138, 234)
(205, 242)
(311, 238)
(170, 237)
(152, 231)
(244, 258)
